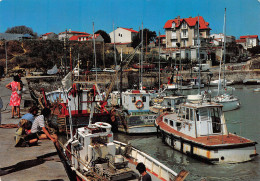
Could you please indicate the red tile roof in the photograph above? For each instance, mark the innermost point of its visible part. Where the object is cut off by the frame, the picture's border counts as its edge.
(190, 22)
(161, 36)
(47, 34)
(129, 29)
(74, 38)
(248, 36)
(74, 32)
(89, 37)
(241, 41)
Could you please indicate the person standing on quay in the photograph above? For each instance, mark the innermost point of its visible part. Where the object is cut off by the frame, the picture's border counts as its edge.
(15, 99)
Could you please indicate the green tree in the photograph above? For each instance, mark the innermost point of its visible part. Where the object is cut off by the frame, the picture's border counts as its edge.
(104, 35)
(148, 36)
(21, 30)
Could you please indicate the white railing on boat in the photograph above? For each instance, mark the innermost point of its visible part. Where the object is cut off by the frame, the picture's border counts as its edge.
(152, 164)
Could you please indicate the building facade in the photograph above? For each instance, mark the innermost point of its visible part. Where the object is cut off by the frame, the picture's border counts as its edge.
(98, 38)
(49, 36)
(184, 32)
(162, 39)
(69, 34)
(182, 38)
(218, 39)
(123, 35)
(248, 41)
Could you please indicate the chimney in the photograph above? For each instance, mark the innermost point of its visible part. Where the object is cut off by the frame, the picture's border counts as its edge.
(69, 30)
(190, 17)
(178, 20)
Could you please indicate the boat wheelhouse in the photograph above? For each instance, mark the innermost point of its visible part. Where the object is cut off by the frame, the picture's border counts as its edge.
(82, 101)
(136, 116)
(170, 104)
(199, 130)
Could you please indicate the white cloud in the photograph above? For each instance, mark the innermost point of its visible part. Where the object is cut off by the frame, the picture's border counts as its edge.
(258, 0)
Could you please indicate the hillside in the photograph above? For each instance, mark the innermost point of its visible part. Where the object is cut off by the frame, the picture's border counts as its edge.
(44, 54)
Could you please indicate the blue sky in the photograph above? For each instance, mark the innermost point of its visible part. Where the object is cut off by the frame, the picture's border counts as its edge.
(243, 16)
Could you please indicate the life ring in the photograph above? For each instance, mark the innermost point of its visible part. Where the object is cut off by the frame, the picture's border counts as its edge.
(103, 125)
(139, 106)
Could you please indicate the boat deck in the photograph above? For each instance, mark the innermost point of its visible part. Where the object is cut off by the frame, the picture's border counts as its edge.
(212, 140)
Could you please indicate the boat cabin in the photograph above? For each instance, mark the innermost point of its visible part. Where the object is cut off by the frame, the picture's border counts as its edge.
(172, 102)
(198, 120)
(81, 100)
(93, 141)
(136, 101)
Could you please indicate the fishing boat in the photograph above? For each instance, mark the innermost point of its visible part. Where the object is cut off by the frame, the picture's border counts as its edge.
(199, 130)
(135, 116)
(83, 96)
(91, 154)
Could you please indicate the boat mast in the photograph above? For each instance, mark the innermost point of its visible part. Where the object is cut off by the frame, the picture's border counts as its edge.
(159, 62)
(224, 56)
(95, 51)
(141, 85)
(115, 53)
(198, 55)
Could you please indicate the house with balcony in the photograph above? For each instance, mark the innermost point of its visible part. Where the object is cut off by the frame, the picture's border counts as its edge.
(69, 34)
(248, 41)
(123, 35)
(182, 37)
(185, 31)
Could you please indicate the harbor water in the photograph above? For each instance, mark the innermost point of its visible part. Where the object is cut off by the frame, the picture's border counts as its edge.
(244, 122)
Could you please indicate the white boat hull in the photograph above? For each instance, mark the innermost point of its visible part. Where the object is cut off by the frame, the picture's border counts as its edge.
(139, 130)
(230, 105)
(224, 153)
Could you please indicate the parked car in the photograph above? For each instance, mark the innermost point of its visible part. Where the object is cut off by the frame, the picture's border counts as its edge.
(108, 70)
(96, 70)
(203, 67)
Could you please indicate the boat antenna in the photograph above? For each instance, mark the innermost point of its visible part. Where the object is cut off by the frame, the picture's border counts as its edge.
(159, 61)
(224, 56)
(224, 49)
(141, 85)
(95, 51)
(115, 53)
(198, 55)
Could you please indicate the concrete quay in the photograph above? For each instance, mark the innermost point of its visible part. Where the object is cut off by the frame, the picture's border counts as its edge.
(36, 163)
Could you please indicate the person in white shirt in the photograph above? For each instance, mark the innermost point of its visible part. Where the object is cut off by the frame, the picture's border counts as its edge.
(39, 128)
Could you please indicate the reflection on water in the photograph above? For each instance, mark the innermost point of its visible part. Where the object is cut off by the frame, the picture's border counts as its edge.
(248, 115)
